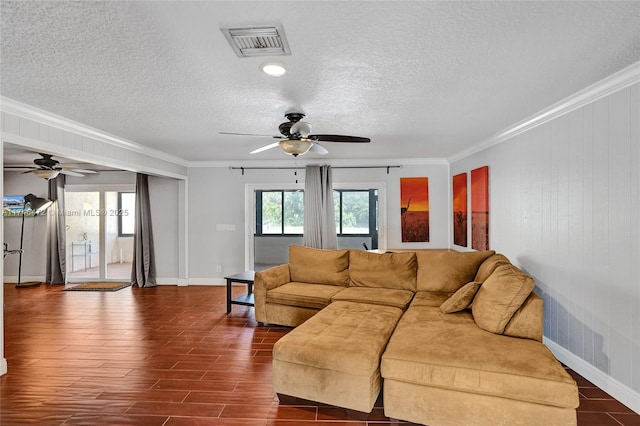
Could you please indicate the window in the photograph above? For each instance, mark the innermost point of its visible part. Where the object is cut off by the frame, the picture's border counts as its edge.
(126, 213)
(355, 210)
(279, 212)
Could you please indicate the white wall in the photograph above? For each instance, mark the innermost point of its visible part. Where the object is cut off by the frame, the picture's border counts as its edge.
(216, 196)
(165, 202)
(564, 203)
(34, 256)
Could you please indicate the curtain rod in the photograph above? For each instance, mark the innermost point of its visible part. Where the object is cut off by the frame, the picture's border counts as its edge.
(302, 168)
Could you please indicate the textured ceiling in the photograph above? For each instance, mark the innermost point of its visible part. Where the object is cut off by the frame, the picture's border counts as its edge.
(421, 79)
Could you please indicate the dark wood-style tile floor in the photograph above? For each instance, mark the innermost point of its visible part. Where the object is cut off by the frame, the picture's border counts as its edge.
(165, 356)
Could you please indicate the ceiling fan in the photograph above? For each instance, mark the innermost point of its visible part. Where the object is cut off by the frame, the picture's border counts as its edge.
(297, 139)
(49, 168)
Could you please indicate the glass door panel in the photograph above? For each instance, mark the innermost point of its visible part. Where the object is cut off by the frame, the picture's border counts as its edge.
(82, 220)
(119, 226)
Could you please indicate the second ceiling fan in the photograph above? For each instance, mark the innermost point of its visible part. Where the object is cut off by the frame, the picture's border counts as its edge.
(297, 139)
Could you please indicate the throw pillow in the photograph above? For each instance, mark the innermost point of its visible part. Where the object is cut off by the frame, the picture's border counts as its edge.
(461, 299)
(499, 297)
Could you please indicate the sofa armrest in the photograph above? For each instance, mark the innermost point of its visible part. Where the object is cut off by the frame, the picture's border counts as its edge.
(265, 280)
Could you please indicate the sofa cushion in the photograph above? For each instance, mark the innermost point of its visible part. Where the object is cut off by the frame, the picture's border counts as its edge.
(376, 296)
(448, 351)
(334, 357)
(386, 270)
(346, 337)
(527, 322)
(319, 266)
(461, 299)
(303, 294)
(488, 266)
(430, 298)
(448, 270)
(500, 296)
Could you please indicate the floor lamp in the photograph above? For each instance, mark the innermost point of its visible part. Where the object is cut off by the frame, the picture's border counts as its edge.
(38, 205)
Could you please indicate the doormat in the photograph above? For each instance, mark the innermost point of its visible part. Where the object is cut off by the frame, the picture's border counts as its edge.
(98, 287)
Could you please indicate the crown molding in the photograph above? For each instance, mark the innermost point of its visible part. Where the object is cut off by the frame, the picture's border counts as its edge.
(88, 157)
(331, 162)
(605, 87)
(20, 109)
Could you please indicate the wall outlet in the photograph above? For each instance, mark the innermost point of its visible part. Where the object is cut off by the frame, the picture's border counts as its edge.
(218, 268)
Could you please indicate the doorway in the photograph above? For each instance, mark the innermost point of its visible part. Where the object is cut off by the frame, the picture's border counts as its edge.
(99, 227)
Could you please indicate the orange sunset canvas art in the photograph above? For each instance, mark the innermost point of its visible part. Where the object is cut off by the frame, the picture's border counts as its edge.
(414, 209)
(460, 209)
(480, 208)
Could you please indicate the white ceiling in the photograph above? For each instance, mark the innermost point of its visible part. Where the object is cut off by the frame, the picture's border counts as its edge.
(421, 79)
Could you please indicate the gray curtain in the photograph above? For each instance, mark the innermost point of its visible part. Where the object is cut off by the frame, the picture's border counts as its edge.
(319, 215)
(56, 241)
(143, 271)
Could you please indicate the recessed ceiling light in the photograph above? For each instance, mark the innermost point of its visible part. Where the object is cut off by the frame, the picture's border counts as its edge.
(273, 69)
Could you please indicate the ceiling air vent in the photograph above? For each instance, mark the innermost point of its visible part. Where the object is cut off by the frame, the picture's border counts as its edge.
(257, 41)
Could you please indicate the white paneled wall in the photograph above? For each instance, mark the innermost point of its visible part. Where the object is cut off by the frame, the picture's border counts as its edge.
(565, 203)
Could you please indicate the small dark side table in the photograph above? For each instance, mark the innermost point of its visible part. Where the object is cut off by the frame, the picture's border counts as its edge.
(243, 278)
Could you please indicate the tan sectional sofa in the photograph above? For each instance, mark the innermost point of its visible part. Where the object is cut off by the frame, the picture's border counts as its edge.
(451, 338)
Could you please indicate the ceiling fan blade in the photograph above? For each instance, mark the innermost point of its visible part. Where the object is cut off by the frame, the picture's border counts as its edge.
(317, 149)
(71, 173)
(19, 167)
(29, 171)
(249, 134)
(339, 138)
(65, 169)
(264, 148)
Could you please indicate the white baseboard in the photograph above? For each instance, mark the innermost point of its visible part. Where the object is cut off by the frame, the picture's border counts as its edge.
(207, 281)
(23, 278)
(613, 387)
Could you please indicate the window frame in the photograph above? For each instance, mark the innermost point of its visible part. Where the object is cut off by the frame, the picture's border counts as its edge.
(120, 215)
(258, 210)
(373, 201)
(373, 208)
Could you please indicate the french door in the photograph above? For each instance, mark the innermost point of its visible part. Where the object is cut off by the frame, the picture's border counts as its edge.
(99, 233)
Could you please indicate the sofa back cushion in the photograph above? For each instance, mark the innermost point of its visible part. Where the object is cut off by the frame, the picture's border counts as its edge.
(385, 270)
(499, 297)
(488, 266)
(448, 270)
(319, 266)
(528, 321)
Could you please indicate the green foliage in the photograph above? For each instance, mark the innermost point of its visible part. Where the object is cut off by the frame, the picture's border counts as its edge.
(355, 211)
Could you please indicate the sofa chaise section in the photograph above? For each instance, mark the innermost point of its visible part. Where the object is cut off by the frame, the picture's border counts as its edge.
(334, 358)
(442, 369)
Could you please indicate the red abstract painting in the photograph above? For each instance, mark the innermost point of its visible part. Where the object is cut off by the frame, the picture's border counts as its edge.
(414, 209)
(460, 210)
(480, 208)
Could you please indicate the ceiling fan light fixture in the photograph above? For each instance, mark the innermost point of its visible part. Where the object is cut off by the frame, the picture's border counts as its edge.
(295, 147)
(46, 174)
(274, 69)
